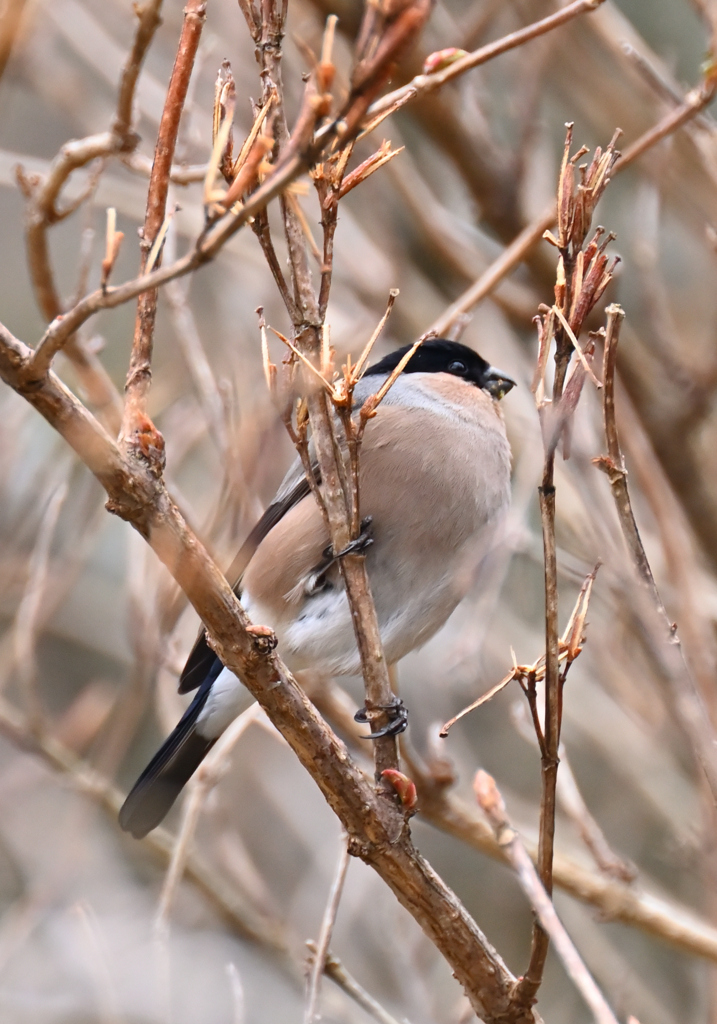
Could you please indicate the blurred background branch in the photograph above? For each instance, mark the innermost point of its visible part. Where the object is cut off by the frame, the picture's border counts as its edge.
(94, 632)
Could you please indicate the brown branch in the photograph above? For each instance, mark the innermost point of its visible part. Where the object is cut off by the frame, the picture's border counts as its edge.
(214, 238)
(335, 970)
(508, 260)
(42, 210)
(10, 24)
(688, 702)
(423, 84)
(138, 496)
(695, 101)
(443, 808)
(139, 375)
(661, 84)
(613, 464)
(180, 174)
(493, 806)
(307, 312)
(575, 808)
(582, 274)
(549, 735)
(149, 21)
(321, 950)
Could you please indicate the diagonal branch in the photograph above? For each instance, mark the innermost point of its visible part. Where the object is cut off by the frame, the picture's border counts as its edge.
(42, 208)
(493, 806)
(307, 312)
(423, 84)
(290, 168)
(138, 496)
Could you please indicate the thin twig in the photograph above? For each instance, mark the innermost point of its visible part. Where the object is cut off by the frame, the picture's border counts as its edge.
(570, 646)
(423, 84)
(212, 241)
(581, 277)
(695, 101)
(180, 174)
(28, 610)
(688, 701)
(139, 375)
(318, 965)
(336, 971)
(42, 209)
(494, 274)
(209, 773)
(613, 464)
(140, 497)
(574, 806)
(662, 85)
(493, 806)
(149, 20)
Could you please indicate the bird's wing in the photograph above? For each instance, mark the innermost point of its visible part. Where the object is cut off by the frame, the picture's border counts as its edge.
(294, 487)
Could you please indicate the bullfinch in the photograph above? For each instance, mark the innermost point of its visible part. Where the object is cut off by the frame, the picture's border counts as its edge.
(434, 479)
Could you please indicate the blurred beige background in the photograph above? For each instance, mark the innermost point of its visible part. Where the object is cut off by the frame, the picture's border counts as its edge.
(77, 897)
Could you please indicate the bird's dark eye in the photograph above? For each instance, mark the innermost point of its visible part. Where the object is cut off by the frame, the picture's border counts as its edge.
(458, 367)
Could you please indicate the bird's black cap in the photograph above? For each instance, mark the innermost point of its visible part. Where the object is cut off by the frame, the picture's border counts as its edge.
(442, 356)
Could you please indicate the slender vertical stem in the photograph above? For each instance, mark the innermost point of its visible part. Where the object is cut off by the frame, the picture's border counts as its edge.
(307, 312)
(327, 927)
(139, 376)
(528, 986)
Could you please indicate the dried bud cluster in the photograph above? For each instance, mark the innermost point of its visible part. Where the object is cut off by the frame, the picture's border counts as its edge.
(249, 167)
(577, 206)
(223, 113)
(582, 275)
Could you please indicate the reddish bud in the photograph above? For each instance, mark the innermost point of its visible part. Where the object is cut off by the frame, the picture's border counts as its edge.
(441, 59)
(405, 787)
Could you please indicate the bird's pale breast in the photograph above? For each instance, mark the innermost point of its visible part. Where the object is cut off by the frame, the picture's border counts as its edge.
(434, 475)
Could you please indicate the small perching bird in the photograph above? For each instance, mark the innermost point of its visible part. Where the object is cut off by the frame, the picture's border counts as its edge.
(434, 479)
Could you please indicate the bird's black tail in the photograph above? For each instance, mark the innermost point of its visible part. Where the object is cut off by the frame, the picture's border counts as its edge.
(169, 770)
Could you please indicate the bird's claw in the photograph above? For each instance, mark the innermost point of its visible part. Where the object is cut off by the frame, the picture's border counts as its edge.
(354, 547)
(397, 714)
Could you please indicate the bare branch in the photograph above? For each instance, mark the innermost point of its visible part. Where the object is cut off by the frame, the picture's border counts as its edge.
(494, 274)
(321, 950)
(42, 209)
(493, 806)
(149, 20)
(688, 702)
(695, 101)
(139, 375)
(423, 84)
(138, 496)
(335, 970)
(209, 773)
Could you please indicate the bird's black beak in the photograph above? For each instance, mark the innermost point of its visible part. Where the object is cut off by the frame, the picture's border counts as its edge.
(497, 383)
